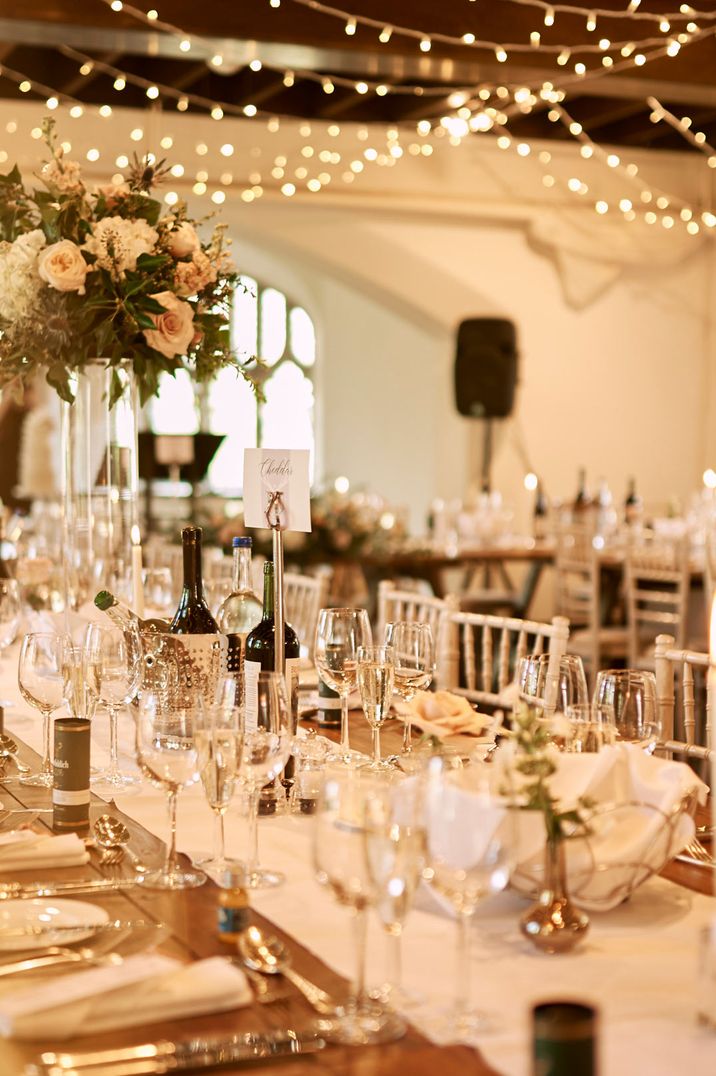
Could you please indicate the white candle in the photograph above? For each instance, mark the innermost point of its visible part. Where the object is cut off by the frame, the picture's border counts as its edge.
(711, 707)
(137, 588)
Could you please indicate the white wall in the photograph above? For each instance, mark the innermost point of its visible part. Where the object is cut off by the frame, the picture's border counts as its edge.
(614, 319)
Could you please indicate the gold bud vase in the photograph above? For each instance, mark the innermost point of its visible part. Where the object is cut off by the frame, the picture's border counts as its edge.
(554, 924)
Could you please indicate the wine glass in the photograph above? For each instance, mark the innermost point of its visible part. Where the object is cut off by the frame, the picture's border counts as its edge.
(631, 693)
(41, 684)
(157, 584)
(414, 653)
(558, 688)
(375, 684)
(339, 634)
(263, 752)
(216, 736)
(395, 850)
(340, 861)
(10, 616)
(167, 756)
(113, 670)
(470, 845)
(592, 727)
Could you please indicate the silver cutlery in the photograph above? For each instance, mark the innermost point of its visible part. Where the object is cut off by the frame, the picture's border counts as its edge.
(166, 1056)
(70, 928)
(111, 834)
(8, 751)
(694, 852)
(57, 956)
(267, 953)
(21, 890)
(266, 992)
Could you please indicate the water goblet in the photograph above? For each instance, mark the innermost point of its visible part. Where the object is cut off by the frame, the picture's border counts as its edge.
(414, 657)
(558, 684)
(339, 634)
(42, 686)
(216, 736)
(631, 693)
(470, 841)
(375, 684)
(264, 748)
(113, 670)
(167, 756)
(340, 861)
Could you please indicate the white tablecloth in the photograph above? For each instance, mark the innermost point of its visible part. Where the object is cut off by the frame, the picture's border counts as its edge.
(638, 964)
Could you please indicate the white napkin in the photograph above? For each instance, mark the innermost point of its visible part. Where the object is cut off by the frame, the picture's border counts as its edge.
(143, 989)
(442, 714)
(21, 849)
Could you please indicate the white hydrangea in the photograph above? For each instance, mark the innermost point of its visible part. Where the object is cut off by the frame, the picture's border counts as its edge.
(19, 278)
(117, 243)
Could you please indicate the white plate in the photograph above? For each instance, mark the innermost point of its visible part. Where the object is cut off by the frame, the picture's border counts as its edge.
(44, 912)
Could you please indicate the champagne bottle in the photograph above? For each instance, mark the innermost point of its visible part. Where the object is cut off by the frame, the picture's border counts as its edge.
(241, 610)
(260, 653)
(124, 617)
(632, 504)
(540, 514)
(192, 616)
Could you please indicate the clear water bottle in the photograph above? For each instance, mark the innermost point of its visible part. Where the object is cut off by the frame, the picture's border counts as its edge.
(241, 610)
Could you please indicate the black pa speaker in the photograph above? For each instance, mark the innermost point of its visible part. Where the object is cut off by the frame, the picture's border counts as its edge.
(486, 367)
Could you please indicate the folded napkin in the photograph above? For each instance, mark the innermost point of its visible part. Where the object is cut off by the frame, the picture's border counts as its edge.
(442, 714)
(21, 849)
(145, 988)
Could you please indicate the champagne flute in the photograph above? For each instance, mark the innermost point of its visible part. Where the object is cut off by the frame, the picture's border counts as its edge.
(41, 684)
(470, 844)
(375, 684)
(340, 862)
(167, 756)
(265, 746)
(395, 850)
(216, 736)
(113, 670)
(339, 634)
(631, 693)
(414, 652)
(81, 702)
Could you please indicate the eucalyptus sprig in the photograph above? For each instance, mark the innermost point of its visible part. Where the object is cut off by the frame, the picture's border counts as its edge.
(534, 761)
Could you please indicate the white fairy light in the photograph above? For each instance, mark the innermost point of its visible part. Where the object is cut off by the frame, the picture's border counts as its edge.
(350, 28)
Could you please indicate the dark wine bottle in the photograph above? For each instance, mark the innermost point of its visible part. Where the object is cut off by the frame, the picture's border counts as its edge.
(260, 652)
(632, 504)
(192, 616)
(126, 618)
(329, 706)
(540, 514)
(582, 501)
(6, 548)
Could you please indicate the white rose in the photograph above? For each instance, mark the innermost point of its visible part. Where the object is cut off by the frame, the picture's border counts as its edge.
(174, 330)
(183, 240)
(27, 246)
(62, 266)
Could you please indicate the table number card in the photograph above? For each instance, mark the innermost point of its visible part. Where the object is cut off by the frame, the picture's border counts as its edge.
(268, 471)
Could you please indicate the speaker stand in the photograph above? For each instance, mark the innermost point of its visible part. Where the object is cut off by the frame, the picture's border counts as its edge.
(486, 478)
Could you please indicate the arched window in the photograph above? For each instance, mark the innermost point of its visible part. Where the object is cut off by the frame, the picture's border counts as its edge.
(266, 324)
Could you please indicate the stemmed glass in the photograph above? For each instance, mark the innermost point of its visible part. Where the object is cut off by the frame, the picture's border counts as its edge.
(375, 684)
(340, 861)
(41, 684)
(395, 850)
(470, 845)
(80, 700)
(216, 736)
(10, 615)
(263, 752)
(631, 693)
(339, 634)
(567, 686)
(167, 756)
(113, 670)
(414, 654)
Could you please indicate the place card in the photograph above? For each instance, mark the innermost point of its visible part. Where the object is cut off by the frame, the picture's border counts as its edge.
(269, 472)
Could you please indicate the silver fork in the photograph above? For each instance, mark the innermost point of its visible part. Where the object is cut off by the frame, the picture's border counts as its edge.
(695, 851)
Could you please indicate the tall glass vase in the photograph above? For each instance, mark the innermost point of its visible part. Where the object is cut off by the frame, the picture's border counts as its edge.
(100, 482)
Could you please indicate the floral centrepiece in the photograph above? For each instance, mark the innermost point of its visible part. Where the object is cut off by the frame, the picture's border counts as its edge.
(108, 273)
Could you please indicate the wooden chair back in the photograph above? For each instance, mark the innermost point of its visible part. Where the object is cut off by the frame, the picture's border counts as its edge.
(657, 594)
(685, 671)
(305, 595)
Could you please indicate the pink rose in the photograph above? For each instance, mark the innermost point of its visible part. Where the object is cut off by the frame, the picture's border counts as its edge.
(113, 193)
(62, 266)
(174, 330)
(183, 240)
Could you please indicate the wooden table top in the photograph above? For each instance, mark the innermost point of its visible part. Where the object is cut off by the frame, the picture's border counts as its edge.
(191, 917)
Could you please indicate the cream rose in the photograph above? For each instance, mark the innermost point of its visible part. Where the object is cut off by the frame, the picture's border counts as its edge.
(112, 192)
(62, 266)
(183, 240)
(174, 330)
